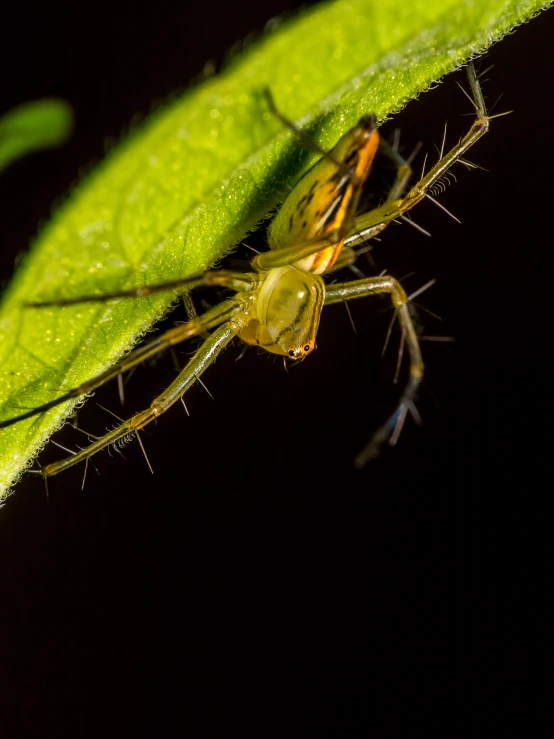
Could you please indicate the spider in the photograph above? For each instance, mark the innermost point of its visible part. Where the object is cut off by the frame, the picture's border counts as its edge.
(277, 306)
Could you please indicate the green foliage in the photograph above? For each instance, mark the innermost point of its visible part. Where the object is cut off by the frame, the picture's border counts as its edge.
(42, 124)
(181, 191)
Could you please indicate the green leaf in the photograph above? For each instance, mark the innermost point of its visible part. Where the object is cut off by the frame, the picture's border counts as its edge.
(180, 192)
(41, 124)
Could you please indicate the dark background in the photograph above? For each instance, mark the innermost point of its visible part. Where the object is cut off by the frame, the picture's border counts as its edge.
(257, 580)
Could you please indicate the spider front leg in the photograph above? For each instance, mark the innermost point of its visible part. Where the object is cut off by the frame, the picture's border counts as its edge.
(373, 222)
(390, 430)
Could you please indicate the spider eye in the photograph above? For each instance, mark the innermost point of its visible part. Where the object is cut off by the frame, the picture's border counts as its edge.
(307, 348)
(291, 352)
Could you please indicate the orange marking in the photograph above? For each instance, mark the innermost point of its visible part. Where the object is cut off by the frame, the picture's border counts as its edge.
(324, 259)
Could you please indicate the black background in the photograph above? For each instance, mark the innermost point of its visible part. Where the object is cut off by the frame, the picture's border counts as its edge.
(257, 580)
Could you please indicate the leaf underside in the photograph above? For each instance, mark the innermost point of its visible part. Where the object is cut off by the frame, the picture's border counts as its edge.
(179, 192)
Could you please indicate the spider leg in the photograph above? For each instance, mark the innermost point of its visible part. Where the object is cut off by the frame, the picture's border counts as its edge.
(196, 366)
(373, 222)
(306, 140)
(403, 169)
(290, 254)
(390, 430)
(218, 315)
(236, 281)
